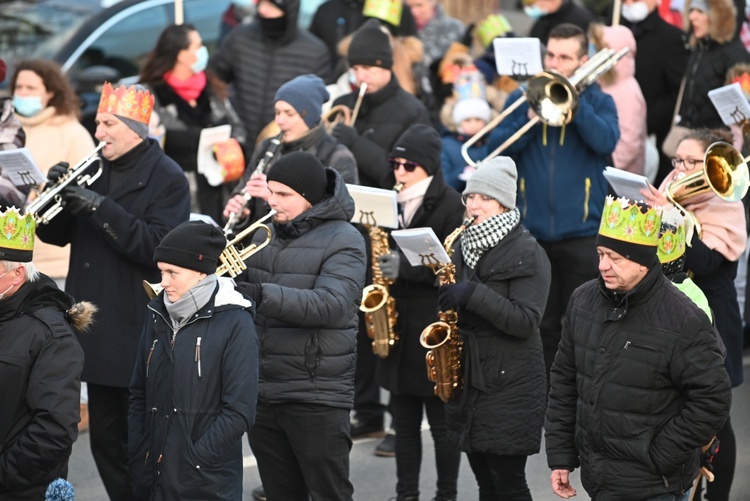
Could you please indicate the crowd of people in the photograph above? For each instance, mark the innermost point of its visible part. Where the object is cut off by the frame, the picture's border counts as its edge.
(610, 326)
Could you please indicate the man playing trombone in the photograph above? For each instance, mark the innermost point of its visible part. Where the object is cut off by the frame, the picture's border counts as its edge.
(113, 227)
(561, 188)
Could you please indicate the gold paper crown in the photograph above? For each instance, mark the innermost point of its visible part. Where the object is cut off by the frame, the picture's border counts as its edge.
(385, 10)
(627, 222)
(17, 241)
(129, 102)
(672, 237)
(491, 27)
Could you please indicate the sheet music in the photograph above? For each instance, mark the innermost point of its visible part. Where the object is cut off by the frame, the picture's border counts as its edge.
(374, 204)
(521, 57)
(20, 168)
(730, 103)
(421, 246)
(626, 184)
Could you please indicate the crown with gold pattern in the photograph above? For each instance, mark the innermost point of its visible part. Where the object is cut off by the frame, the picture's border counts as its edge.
(129, 102)
(491, 27)
(672, 237)
(385, 10)
(17, 240)
(635, 223)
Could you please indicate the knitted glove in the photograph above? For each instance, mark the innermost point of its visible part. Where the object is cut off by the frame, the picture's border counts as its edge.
(254, 292)
(80, 201)
(451, 296)
(389, 265)
(345, 134)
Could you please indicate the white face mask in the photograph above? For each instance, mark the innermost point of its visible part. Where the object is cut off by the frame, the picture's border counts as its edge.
(2, 294)
(635, 12)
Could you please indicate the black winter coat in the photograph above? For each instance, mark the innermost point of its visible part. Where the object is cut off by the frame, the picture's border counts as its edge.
(569, 12)
(112, 252)
(403, 372)
(258, 66)
(312, 274)
(637, 387)
(660, 63)
(501, 408)
(40, 370)
(191, 403)
(383, 117)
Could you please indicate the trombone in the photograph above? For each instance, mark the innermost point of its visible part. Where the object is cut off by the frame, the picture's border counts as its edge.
(553, 98)
(233, 256)
(342, 113)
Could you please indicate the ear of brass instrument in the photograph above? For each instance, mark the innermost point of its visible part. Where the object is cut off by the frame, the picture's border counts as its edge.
(232, 258)
(553, 98)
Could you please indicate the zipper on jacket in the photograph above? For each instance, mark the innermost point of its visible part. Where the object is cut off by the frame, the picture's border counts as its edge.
(174, 337)
(150, 433)
(587, 188)
(150, 354)
(631, 344)
(522, 189)
(198, 355)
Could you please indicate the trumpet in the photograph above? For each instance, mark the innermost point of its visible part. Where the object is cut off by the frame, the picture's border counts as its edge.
(49, 202)
(553, 98)
(342, 113)
(233, 256)
(234, 217)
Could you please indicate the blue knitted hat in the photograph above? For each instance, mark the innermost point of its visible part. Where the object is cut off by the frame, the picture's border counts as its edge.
(306, 94)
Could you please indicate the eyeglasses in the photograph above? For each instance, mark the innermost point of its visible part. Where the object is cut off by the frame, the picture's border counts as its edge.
(689, 163)
(408, 165)
(475, 198)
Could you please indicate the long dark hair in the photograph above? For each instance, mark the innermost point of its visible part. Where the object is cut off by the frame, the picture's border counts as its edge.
(64, 98)
(172, 40)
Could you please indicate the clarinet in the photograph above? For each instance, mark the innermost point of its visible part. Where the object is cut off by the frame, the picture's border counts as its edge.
(234, 217)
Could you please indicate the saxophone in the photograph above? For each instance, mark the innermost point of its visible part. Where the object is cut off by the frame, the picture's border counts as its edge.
(378, 305)
(441, 337)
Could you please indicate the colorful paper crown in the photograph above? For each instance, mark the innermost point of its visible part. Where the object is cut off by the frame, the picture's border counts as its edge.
(469, 83)
(385, 10)
(17, 241)
(129, 102)
(491, 27)
(635, 223)
(672, 236)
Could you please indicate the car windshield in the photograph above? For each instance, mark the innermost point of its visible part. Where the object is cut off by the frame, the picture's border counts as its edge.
(30, 29)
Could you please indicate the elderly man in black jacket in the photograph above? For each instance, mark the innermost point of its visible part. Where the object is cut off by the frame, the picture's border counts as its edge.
(40, 368)
(113, 227)
(638, 384)
(306, 283)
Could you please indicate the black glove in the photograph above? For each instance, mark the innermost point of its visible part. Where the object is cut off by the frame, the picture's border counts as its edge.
(451, 296)
(708, 455)
(254, 292)
(80, 201)
(468, 36)
(345, 134)
(389, 265)
(56, 172)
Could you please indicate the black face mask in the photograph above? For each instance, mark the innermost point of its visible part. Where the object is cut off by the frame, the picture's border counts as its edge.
(273, 28)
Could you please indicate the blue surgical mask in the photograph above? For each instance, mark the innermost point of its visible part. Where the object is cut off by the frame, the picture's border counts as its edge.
(243, 4)
(635, 12)
(202, 62)
(27, 106)
(534, 12)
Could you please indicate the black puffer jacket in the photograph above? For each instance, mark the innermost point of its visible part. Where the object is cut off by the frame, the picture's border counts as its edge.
(383, 117)
(569, 12)
(501, 409)
(403, 371)
(312, 272)
(709, 61)
(191, 403)
(40, 369)
(258, 66)
(637, 386)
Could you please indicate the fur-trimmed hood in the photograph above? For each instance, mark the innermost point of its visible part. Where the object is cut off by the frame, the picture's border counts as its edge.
(722, 21)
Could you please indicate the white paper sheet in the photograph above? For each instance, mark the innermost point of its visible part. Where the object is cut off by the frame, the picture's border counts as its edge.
(521, 57)
(730, 103)
(626, 184)
(19, 167)
(421, 246)
(207, 164)
(374, 206)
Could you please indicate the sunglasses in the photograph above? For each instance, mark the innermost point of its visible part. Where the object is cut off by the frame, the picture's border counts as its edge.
(408, 165)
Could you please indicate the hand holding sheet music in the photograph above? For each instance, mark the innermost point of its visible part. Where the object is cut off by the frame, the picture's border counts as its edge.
(421, 246)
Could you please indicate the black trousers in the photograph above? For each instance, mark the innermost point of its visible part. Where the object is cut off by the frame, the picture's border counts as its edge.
(367, 406)
(108, 432)
(500, 478)
(573, 262)
(302, 450)
(407, 420)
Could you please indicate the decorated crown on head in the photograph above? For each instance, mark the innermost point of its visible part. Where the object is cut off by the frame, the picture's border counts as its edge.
(491, 27)
(672, 236)
(631, 222)
(133, 102)
(385, 10)
(469, 83)
(17, 241)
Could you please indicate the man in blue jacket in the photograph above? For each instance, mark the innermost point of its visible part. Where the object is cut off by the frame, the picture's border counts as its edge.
(561, 188)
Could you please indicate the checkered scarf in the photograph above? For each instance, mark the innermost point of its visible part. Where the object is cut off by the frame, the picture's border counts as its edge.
(476, 240)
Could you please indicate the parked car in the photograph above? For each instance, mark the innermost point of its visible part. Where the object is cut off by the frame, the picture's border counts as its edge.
(96, 40)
